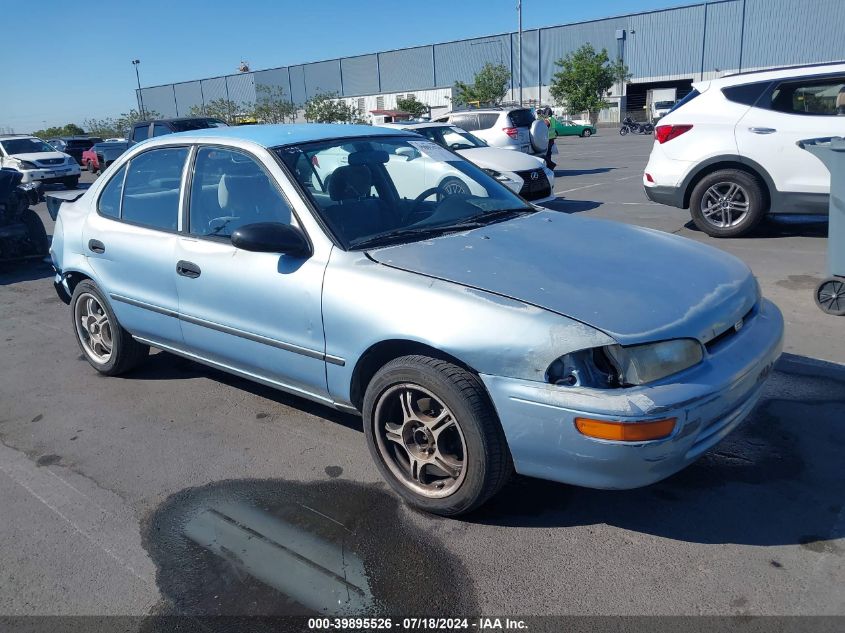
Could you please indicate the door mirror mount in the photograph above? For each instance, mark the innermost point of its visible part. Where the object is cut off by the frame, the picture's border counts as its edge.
(272, 237)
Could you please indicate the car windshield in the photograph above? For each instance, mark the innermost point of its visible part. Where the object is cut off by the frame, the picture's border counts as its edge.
(662, 105)
(521, 118)
(374, 191)
(26, 146)
(452, 137)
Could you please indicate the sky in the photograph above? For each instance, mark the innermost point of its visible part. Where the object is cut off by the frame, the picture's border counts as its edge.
(67, 61)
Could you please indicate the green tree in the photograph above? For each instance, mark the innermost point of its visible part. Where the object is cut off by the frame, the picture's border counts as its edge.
(68, 129)
(104, 128)
(488, 88)
(223, 109)
(325, 107)
(273, 106)
(412, 106)
(585, 79)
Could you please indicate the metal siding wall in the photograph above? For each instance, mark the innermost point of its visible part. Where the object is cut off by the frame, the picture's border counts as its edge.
(459, 61)
(723, 37)
(274, 78)
(408, 69)
(665, 42)
(297, 85)
(322, 77)
(557, 42)
(241, 88)
(213, 89)
(781, 32)
(160, 100)
(530, 61)
(188, 95)
(360, 75)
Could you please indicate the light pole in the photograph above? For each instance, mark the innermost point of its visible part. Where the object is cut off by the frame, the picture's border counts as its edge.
(519, 11)
(135, 63)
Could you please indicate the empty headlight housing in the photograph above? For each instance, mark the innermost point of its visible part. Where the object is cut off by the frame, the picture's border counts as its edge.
(26, 165)
(615, 366)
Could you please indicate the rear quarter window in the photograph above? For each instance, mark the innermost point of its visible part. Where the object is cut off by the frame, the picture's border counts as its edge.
(746, 94)
(521, 118)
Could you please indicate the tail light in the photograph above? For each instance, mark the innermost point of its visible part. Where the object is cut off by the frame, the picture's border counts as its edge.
(649, 177)
(511, 131)
(665, 133)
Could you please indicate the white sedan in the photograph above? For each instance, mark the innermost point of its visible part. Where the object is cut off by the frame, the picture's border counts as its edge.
(524, 174)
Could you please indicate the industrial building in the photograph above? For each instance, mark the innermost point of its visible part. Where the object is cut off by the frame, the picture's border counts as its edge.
(662, 49)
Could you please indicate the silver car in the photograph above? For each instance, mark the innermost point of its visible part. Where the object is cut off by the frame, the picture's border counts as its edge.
(475, 333)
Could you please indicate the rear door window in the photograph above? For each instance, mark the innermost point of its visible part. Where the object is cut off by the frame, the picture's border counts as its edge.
(141, 132)
(811, 96)
(151, 189)
(521, 118)
(109, 203)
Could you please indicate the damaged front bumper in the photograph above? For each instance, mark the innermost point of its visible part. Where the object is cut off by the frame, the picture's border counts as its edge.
(709, 401)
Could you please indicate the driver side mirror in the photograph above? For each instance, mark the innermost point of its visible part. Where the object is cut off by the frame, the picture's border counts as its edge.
(408, 152)
(272, 237)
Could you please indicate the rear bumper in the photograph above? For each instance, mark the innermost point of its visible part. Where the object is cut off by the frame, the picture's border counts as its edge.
(709, 401)
(671, 196)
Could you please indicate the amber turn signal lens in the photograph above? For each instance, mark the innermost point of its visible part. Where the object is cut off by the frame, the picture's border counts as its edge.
(626, 431)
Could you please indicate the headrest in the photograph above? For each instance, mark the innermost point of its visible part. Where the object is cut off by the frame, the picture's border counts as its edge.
(231, 188)
(368, 156)
(350, 182)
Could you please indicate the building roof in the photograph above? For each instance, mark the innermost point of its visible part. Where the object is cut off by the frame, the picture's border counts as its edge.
(287, 134)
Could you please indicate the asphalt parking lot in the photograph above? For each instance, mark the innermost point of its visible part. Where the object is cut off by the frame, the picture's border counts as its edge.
(101, 479)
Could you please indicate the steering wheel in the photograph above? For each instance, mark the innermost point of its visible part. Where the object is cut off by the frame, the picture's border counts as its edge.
(425, 194)
(215, 225)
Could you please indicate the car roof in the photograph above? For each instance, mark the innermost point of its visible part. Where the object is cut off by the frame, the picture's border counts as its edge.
(6, 137)
(287, 134)
(416, 126)
(772, 74)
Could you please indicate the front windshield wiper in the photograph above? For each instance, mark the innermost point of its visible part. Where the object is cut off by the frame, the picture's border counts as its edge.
(472, 222)
(381, 239)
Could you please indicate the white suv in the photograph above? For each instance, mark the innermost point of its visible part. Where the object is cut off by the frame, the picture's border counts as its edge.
(37, 161)
(728, 151)
(507, 128)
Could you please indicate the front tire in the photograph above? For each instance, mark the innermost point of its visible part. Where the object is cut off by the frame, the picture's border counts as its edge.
(106, 346)
(623, 131)
(434, 435)
(728, 203)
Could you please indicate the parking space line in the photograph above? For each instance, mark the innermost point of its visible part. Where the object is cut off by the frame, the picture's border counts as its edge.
(579, 188)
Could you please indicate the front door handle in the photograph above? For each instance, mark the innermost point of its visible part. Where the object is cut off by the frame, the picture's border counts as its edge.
(762, 130)
(188, 269)
(96, 246)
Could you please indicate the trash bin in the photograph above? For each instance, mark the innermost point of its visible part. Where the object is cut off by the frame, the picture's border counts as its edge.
(830, 293)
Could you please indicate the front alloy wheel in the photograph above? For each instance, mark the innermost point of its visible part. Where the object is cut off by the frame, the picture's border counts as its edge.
(434, 434)
(420, 440)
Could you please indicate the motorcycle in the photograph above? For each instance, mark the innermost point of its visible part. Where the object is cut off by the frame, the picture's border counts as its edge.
(631, 126)
(22, 233)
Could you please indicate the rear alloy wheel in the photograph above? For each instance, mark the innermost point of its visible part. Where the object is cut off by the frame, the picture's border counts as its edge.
(434, 435)
(109, 348)
(727, 203)
(830, 296)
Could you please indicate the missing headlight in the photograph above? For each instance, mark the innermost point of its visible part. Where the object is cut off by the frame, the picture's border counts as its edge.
(585, 368)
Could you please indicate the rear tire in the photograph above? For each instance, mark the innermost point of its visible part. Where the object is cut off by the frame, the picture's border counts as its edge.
(728, 203)
(106, 346)
(434, 435)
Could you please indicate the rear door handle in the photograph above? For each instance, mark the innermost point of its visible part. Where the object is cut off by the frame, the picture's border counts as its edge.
(762, 130)
(96, 246)
(188, 269)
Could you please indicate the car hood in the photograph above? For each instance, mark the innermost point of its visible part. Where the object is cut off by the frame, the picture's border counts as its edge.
(634, 284)
(501, 159)
(35, 156)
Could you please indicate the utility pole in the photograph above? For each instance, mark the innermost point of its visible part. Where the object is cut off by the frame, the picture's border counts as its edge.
(519, 11)
(135, 63)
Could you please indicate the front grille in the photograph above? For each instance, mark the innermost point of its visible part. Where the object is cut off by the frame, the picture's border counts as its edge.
(730, 332)
(536, 185)
(50, 161)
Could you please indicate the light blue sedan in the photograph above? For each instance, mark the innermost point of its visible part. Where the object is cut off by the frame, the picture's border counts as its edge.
(475, 333)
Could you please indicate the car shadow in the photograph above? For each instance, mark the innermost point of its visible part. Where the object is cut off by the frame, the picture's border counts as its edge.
(793, 226)
(13, 272)
(563, 173)
(570, 206)
(166, 366)
(777, 480)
